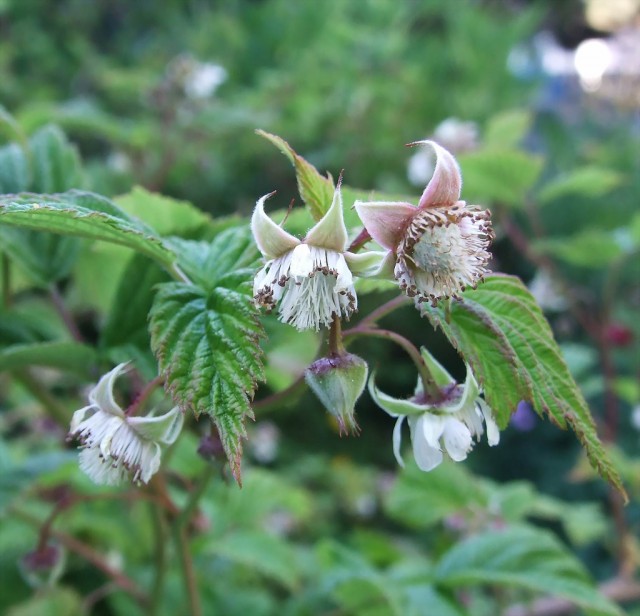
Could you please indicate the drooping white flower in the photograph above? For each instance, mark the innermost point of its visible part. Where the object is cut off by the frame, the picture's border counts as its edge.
(447, 425)
(439, 247)
(309, 280)
(115, 447)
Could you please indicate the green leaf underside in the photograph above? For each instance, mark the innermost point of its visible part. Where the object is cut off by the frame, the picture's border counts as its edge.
(207, 346)
(83, 214)
(315, 190)
(500, 330)
(524, 558)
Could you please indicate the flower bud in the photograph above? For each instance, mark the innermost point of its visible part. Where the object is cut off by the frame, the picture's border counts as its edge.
(338, 381)
(44, 566)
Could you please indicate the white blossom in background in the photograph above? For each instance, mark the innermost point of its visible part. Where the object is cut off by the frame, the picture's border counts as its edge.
(439, 247)
(447, 425)
(116, 448)
(204, 79)
(453, 134)
(547, 292)
(309, 280)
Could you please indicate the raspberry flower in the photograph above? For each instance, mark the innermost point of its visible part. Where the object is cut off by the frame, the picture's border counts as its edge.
(444, 425)
(116, 447)
(439, 247)
(310, 280)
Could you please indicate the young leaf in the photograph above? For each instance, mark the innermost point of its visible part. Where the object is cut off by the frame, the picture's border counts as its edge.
(206, 341)
(500, 330)
(15, 174)
(524, 558)
(315, 190)
(83, 214)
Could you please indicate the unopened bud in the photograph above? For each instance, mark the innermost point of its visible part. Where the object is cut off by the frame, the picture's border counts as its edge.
(338, 381)
(43, 567)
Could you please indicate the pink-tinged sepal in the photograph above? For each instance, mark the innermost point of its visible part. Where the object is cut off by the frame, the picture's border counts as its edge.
(386, 221)
(330, 231)
(272, 240)
(445, 185)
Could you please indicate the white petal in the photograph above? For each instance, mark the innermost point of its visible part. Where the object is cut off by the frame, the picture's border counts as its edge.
(426, 455)
(79, 416)
(397, 439)
(432, 427)
(301, 261)
(272, 239)
(330, 231)
(344, 280)
(493, 433)
(102, 394)
(456, 439)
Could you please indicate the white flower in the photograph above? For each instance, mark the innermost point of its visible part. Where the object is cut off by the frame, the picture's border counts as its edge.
(204, 79)
(116, 447)
(439, 247)
(310, 280)
(446, 425)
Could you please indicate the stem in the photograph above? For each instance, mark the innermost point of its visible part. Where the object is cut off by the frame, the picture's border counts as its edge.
(177, 274)
(6, 282)
(144, 395)
(382, 311)
(63, 312)
(90, 555)
(362, 238)
(429, 385)
(275, 399)
(58, 411)
(335, 337)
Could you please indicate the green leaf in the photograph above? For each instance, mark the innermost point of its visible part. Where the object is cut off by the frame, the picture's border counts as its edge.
(55, 162)
(45, 257)
(83, 214)
(507, 129)
(592, 248)
(524, 558)
(588, 181)
(60, 354)
(15, 175)
(266, 554)
(501, 331)
(501, 176)
(52, 602)
(167, 216)
(206, 341)
(447, 490)
(315, 190)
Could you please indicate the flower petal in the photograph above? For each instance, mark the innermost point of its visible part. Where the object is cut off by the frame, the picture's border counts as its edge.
(272, 239)
(397, 439)
(431, 426)
(446, 183)
(102, 394)
(366, 264)
(330, 231)
(456, 438)
(493, 433)
(386, 221)
(427, 456)
(394, 406)
(301, 261)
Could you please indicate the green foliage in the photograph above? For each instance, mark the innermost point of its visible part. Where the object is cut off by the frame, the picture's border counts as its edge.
(205, 337)
(63, 355)
(500, 330)
(589, 182)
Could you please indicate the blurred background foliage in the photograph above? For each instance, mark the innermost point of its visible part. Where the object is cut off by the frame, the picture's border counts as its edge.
(134, 99)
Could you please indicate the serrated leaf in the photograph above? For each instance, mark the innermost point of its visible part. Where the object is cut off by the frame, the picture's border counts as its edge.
(55, 162)
(206, 342)
(501, 331)
(592, 248)
(64, 355)
(524, 558)
(499, 176)
(315, 190)
(588, 181)
(83, 214)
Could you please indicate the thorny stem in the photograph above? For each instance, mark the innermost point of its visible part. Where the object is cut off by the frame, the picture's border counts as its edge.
(58, 303)
(90, 555)
(429, 385)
